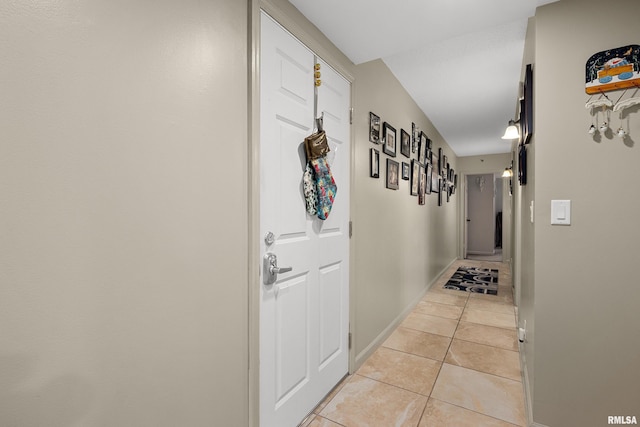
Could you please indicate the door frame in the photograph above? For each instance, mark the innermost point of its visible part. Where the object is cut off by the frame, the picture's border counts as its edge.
(507, 210)
(291, 19)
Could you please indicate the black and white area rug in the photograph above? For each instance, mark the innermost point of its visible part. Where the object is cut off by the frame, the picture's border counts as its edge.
(474, 279)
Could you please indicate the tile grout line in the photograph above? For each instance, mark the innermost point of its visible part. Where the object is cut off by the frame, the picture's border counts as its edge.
(475, 412)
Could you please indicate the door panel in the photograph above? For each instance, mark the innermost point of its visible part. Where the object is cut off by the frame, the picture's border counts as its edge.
(304, 317)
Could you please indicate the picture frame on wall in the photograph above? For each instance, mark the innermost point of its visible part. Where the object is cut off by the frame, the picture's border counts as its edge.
(414, 137)
(374, 128)
(422, 148)
(435, 180)
(405, 143)
(374, 163)
(415, 177)
(393, 173)
(429, 172)
(405, 171)
(527, 124)
(389, 139)
(435, 174)
(422, 186)
(522, 164)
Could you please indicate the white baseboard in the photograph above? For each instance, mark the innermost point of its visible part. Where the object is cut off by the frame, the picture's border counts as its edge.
(528, 408)
(377, 342)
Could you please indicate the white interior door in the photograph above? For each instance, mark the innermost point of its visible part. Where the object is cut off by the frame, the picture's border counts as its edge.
(304, 314)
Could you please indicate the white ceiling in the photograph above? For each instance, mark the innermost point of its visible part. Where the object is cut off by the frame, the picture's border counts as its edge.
(460, 60)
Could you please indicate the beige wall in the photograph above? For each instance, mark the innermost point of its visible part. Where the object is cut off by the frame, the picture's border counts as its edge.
(524, 238)
(400, 247)
(491, 163)
(125, 198)
(584, 365)
(123, 285)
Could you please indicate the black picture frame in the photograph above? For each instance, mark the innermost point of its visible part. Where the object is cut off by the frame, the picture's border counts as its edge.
(526, 118)
(415, 177)
(414, 137)
(435, 172)
(374, 128)
(405, 171)
(429, 172)
(422, 148)
(374, 163)
(422, 186)
(435, 181)
(444, 165)
(389, 139)
(522, 164)
(393, 174)
(405, 143)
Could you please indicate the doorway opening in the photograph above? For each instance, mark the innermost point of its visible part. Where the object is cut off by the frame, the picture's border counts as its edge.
(484, 207)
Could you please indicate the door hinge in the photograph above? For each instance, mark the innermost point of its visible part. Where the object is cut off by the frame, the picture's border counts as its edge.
(350, 340)
(351, 116)
(350, 229)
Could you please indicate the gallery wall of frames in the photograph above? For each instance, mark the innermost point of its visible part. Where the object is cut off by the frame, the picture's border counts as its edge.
(418, 161)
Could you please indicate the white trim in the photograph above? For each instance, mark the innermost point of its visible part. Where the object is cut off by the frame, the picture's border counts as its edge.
(481, 253)
(253, 180)
(377, 342)
(528, 401)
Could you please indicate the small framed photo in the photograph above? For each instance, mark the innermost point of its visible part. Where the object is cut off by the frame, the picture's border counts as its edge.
(422, 148)
(405, 171)
(393, 174)
(415, 177)
(389, 136)
(374, 163)
(429, 173)
(405, 143)
(422, 186)
(374, 128)
(435, 180)
(414, 137)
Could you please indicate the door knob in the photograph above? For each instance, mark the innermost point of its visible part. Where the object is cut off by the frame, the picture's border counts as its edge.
(270, 268)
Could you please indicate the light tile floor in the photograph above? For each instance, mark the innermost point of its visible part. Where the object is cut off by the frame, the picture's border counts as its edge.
(452, 362)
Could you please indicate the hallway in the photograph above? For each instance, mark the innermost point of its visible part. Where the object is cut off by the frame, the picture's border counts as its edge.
(452, 362)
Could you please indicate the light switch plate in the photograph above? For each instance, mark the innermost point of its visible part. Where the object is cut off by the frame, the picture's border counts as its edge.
(561, 212)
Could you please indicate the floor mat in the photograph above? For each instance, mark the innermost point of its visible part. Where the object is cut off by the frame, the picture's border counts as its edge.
(474, 279)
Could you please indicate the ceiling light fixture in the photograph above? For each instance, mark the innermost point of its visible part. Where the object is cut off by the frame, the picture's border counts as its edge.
(512, 131)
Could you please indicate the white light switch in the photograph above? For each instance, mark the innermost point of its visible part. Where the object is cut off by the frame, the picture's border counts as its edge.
(561, 212)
